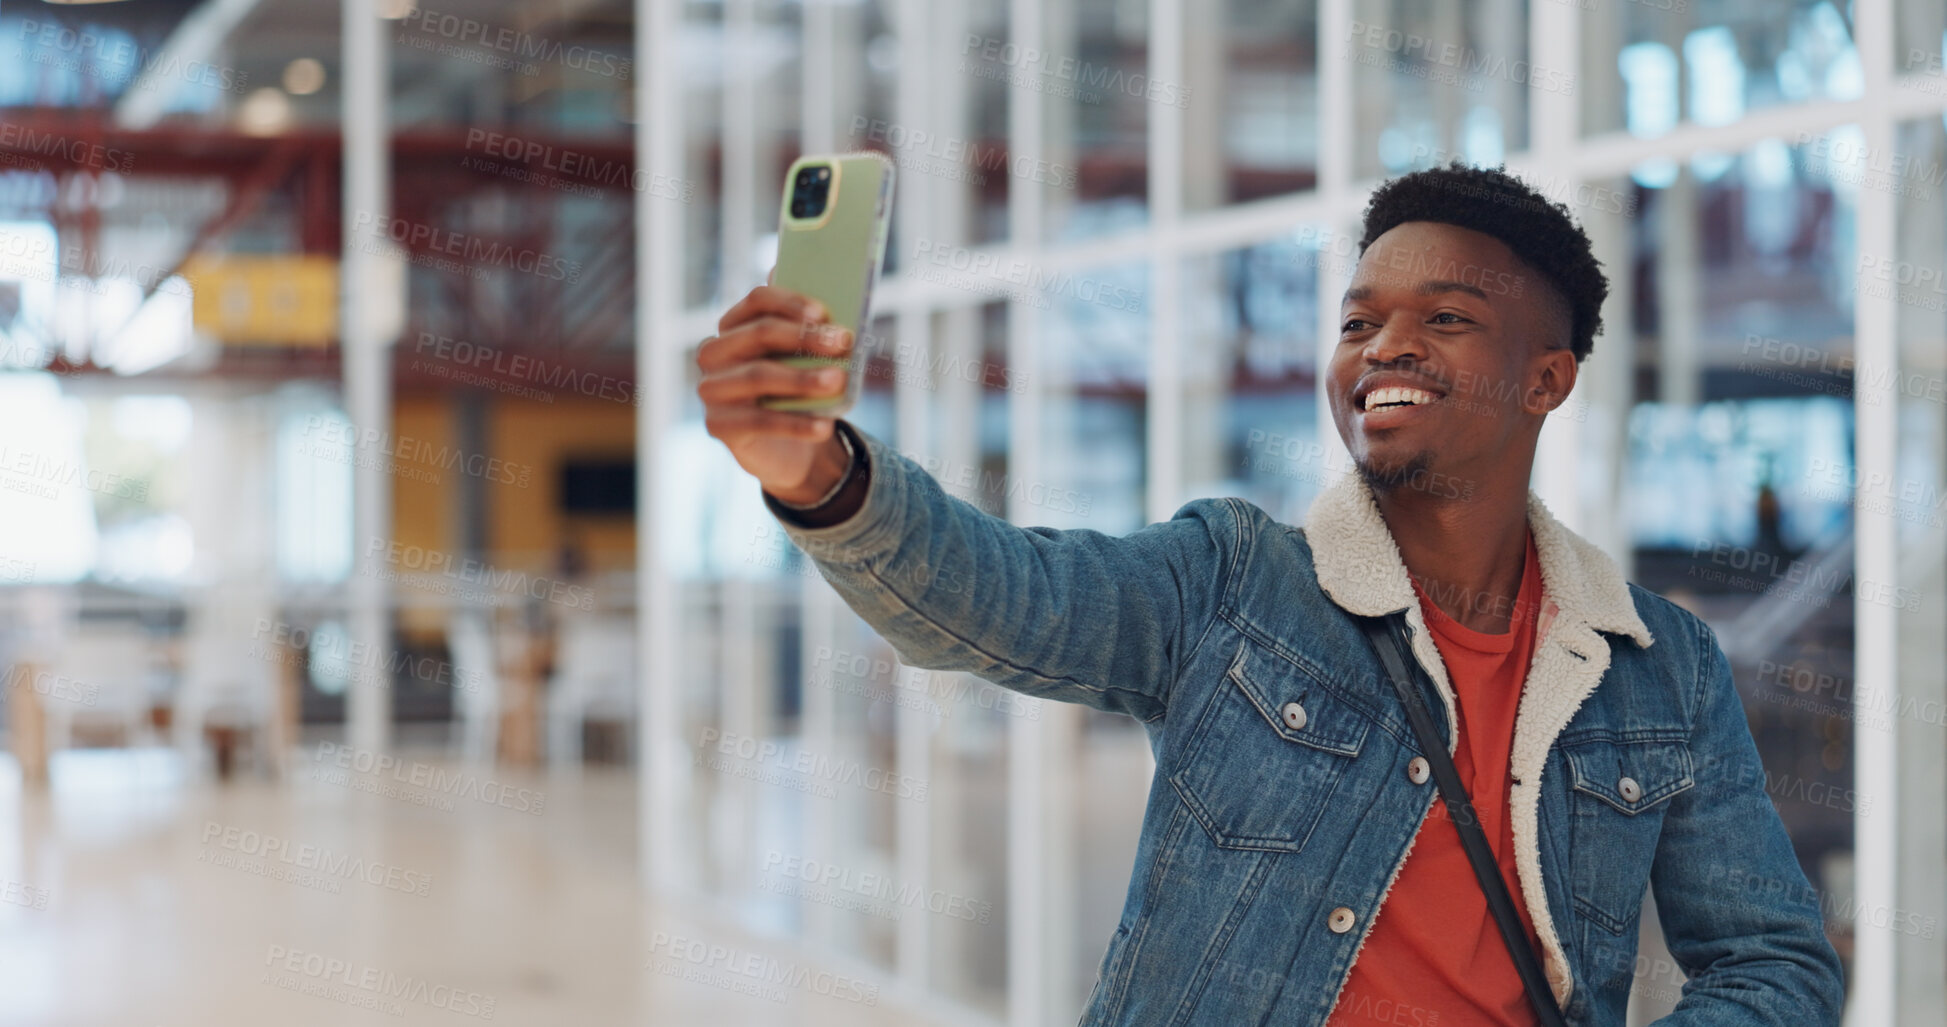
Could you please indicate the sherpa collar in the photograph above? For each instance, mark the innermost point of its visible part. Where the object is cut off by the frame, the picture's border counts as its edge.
(1360, 568)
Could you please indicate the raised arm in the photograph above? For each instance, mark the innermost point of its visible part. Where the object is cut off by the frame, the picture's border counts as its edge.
(1074, 615)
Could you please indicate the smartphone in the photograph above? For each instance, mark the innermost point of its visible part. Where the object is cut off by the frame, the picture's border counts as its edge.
(831, 241)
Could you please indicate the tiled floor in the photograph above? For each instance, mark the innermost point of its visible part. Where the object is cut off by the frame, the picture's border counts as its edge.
(130, 895)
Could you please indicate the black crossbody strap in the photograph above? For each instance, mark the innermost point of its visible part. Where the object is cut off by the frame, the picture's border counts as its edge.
(1388, 640)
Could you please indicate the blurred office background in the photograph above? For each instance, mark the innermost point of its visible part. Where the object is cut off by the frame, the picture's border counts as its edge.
(377, 609)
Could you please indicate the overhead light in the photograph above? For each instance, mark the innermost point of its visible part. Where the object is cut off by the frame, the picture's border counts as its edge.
(265, 112)
(304, 76)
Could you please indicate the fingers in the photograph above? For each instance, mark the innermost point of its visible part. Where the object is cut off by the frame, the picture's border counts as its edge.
(734, 425)
(737, 371)
(769, 300)
(769, 336)
(747, 382)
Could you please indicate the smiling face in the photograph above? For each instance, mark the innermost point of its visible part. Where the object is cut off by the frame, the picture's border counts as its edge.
(1450, 353)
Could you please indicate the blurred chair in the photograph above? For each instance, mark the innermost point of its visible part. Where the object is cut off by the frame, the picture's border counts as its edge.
(32, 621)
(469, 638)
(594, 680)
(99, 685)
(234, 667)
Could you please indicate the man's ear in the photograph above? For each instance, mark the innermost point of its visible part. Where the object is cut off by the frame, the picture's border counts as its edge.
(1554, 380)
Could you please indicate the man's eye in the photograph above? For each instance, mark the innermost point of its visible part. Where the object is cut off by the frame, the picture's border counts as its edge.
(1352, 325)
(1449, 313)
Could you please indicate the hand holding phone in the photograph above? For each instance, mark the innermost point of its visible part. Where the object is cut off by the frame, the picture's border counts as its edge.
(793, 454)
(831, 243)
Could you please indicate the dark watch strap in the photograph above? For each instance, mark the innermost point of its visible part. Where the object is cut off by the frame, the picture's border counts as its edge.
(1388, 635)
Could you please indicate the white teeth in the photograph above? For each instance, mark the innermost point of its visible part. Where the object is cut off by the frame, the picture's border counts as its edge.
(1398, 394)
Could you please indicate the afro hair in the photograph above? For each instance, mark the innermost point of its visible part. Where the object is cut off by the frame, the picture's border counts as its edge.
(1541, 232)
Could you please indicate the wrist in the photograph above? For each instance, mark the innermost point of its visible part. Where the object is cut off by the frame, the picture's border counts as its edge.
(830, 466)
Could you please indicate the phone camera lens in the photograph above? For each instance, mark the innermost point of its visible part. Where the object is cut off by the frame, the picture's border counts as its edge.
(811, 192)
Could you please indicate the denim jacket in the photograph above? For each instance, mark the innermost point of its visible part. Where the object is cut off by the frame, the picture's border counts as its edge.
(1632, 765)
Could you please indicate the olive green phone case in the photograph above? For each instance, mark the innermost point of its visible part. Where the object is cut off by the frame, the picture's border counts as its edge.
(834, 258)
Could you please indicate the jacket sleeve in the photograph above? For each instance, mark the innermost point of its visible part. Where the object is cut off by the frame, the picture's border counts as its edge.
(1737, 911)
(1073, 615)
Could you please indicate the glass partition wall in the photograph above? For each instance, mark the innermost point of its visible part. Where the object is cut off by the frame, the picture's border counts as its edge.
(1121, 234)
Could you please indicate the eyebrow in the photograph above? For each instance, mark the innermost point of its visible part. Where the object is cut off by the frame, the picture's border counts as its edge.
(1431, 288)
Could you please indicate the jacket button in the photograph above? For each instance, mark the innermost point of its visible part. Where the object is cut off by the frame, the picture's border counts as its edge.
(1342, 920)
(1418, 770)
(1294, 716)
(1631, 791)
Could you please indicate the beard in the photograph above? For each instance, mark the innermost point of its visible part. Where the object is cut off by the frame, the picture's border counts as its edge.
(1385, 477)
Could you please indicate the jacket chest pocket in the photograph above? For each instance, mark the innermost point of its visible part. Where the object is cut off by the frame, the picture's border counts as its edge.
(1263, 760)
(1619, 791)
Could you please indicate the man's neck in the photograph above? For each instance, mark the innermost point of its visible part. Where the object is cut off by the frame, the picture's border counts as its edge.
(1466, 554)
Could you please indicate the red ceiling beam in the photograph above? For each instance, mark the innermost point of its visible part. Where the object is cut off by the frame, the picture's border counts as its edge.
(607, 164)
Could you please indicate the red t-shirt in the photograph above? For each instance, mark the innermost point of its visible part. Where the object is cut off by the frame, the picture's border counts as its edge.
(1434, 956)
